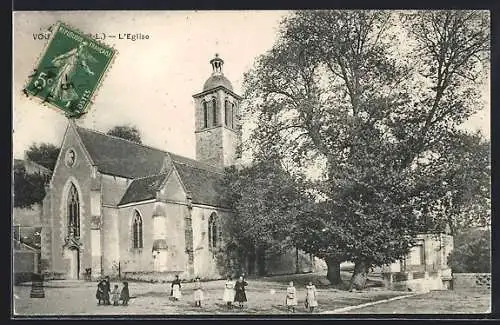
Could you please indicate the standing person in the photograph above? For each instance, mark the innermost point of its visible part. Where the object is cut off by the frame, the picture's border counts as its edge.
(125, 295)
(240, 296)
(100, 292)
(115, 295)
(176, 288)
(291, 297)
(229, 292)
(107, 291)
(198, 292)
(311, 299)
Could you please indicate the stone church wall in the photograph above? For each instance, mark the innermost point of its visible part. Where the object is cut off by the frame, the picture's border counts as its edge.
(205, 261)
(177, 259)
(139, 263)
(135, 259)
(208, 144)
(54, 228)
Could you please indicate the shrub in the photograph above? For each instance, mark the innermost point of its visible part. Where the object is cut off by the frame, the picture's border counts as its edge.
(472, 252)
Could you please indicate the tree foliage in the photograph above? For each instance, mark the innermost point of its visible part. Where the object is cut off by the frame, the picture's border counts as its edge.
(472, 252)
(339, 87)
(266, 201)
(28, 188)
(127, 132)
(44, 154)
(463, 199)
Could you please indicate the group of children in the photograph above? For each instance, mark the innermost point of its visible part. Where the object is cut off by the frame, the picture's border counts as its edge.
(105, 295)
(310, 302)
(234, 292)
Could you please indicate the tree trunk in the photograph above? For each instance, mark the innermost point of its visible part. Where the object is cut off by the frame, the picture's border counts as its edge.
(261, 261)
(359, 276)
(333, 274)
(297, 264)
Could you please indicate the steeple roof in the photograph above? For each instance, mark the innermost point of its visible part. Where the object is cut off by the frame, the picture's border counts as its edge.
(217, 78)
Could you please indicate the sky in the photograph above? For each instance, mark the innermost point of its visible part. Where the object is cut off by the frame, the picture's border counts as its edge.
(151, 82)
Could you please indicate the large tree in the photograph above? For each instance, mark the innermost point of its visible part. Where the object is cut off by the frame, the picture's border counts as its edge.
(127, 132)
(339, 86)
(44, 154)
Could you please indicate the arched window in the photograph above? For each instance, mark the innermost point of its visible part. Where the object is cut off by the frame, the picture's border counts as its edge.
(226, 113)
(137, 230)
(214, 111)
(205, 115)
(73, 212)
(213, 235)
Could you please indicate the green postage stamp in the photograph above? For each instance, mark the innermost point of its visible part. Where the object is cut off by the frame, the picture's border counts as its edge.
(70, 70)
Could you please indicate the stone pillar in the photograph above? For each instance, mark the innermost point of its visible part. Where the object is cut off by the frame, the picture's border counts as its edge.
(188, 231)
(95, 232)
(46, 235)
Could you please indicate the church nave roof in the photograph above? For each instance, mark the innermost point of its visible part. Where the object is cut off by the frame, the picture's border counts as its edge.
(146, 166)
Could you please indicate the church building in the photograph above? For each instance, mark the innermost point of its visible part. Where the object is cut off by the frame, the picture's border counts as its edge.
(114, 207)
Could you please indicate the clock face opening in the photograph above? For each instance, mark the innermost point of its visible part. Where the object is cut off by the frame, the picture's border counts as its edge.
(70, 158)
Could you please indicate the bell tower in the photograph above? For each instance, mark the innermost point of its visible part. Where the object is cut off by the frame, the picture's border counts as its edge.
(217, 119)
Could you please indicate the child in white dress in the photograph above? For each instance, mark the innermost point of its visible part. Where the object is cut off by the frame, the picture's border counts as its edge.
(198, 293)
(311, 299)
(229, 292)
(115, 295)
(291, 297)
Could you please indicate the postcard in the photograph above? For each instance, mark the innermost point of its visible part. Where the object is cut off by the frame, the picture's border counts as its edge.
(243, 163)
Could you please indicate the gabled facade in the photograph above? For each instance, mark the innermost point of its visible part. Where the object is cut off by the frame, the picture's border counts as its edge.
(115, 206)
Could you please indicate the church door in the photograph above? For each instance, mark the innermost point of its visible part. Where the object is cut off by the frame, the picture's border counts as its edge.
(74, 266)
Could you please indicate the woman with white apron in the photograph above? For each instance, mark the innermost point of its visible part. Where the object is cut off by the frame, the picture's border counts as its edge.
(176, 289)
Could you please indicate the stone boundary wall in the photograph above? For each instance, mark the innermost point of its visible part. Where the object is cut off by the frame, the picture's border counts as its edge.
(53, 276)
(472, 281)
(153, 277)
(414, 281)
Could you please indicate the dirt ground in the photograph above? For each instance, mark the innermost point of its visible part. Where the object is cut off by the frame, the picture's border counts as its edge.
(265, 296)
(435, 302)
